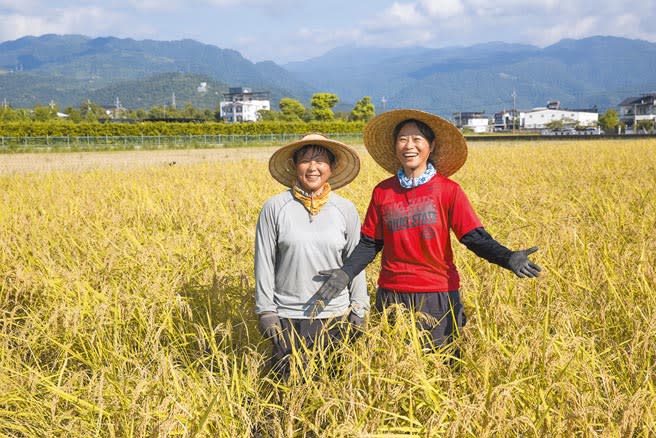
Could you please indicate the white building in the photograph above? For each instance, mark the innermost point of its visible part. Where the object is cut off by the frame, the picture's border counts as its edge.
(538, 118)
(476, 121)
(241, 105)
(633, 110)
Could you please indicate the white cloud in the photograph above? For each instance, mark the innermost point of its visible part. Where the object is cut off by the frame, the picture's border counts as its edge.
(516, 7)
(405, 14)
(247, 7)
(296, 29)
(154, 6)
(16, 26)
(90, 21)
(442, 8)
(437, 23)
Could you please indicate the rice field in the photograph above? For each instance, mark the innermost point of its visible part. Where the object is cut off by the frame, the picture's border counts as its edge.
(126, 304)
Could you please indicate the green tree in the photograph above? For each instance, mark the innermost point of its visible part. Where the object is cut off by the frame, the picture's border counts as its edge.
(363, 110)
(609, 120)
(555, 124)
(268, 115)
(342, 115)
(74, 114)
(157, 112)
(43, 113)
(291, 109)
(190, 111)
(140, 114)
(322, 104)
(91, 111)
(9, 114)
(645, 126)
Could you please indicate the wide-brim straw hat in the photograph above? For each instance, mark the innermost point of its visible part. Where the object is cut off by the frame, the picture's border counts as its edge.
(450, 151)
(346, 168)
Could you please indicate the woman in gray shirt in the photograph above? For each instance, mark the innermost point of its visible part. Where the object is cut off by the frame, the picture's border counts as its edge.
(302, 231)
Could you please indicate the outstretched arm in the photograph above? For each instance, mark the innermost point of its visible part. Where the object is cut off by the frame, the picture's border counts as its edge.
(481, 243)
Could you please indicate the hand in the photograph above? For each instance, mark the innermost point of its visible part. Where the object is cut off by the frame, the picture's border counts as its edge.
(521, 265)
(355, 320)
(270, 327)
(335, 283)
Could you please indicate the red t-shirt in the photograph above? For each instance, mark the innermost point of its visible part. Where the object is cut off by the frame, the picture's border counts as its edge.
(414, 227)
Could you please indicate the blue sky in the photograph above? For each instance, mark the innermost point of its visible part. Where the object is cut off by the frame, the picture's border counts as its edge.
(296, 30)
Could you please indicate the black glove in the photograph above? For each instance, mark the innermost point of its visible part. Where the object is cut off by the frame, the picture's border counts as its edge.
(270, 328)
(521, 265)
(355, 320)
(336, 282)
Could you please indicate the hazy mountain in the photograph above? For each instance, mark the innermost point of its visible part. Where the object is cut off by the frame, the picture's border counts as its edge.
(160, 89)
(599, 71)
(71, 67)
(596, 71)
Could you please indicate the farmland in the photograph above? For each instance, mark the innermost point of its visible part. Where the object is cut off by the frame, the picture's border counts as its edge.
(126, 303)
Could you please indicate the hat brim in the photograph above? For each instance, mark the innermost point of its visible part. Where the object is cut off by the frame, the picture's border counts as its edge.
(346, 168)
(450, 151)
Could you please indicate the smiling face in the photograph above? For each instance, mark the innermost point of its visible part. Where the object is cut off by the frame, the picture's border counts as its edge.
(313, 168)
(412, 149)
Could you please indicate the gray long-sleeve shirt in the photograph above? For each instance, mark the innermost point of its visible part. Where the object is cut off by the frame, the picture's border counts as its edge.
(290, 249)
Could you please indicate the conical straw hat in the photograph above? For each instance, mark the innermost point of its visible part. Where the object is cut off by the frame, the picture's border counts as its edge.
(450, 151)
(347, 162)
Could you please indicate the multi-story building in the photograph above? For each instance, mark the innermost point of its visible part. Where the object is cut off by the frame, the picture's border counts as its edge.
(476, 121)
(241, 104)
(503, 120)
(633, 110)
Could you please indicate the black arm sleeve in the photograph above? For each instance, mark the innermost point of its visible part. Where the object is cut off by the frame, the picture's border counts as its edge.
(363, 254)
(483, 245)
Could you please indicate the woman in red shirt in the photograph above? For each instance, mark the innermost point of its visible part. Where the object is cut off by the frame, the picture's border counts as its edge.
(410, 217)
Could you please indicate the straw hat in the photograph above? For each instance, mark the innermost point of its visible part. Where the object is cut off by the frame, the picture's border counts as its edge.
(450, 151)
(347, 162)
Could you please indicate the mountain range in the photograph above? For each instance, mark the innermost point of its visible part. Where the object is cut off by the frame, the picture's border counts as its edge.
(598, 71)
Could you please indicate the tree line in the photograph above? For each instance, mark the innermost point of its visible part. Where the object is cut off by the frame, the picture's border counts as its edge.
(290, 110)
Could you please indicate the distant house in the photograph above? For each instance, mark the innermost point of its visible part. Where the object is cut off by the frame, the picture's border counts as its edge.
(476, 121)
(636, 109)
(539, 118)
(241, 105)
(503, 120)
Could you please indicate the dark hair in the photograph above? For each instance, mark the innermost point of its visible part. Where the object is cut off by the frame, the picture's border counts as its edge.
(423, 128)
(315, 149)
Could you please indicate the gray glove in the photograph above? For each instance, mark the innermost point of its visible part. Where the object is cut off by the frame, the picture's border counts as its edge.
(270, 327)
(521, 265)
(335, 283)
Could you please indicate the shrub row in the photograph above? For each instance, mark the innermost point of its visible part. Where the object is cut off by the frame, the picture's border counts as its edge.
(59, 128)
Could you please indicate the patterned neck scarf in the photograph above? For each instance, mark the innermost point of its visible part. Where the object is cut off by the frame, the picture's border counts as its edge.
(312, 203)
(409, 183)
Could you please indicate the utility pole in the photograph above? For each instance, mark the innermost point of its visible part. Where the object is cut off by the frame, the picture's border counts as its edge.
(514, 117)
(383, 100)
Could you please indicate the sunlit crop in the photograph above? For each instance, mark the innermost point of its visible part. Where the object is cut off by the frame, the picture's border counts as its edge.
(126, 307)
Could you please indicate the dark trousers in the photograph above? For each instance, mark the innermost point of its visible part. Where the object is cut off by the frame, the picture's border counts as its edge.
(308, 334)
(439, 313)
